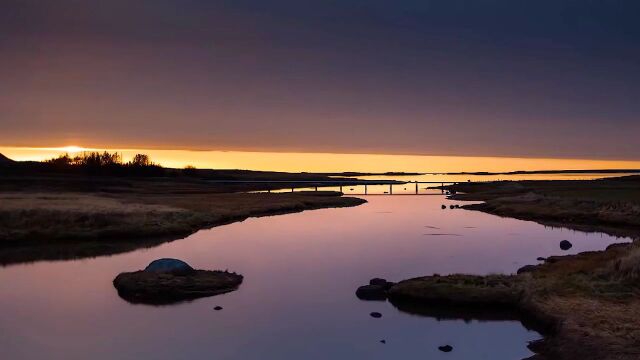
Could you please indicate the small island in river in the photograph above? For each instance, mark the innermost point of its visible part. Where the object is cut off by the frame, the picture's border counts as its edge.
(168, 281)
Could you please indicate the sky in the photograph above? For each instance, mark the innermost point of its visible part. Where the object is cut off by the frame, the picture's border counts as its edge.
(550, 79)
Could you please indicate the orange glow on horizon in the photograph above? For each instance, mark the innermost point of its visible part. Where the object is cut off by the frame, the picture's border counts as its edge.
(72, 149)
(326, 162)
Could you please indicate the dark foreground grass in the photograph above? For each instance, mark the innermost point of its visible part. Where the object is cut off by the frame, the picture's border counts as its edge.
(587, 305)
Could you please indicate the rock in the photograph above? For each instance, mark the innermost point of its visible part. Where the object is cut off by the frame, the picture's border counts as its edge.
(163, 283)
(217, 308)
(376, 315)
(376, 290)
(457, 206)
(381, 282)
(541, 258)
(565, 245)
(371, 292)
(383, 341)
(445, 348)
(443, 207)
(526, 269)
(169, 266)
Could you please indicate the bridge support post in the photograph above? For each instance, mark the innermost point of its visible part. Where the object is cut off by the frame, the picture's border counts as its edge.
(390, 189)
(365, 189)
(416, 188)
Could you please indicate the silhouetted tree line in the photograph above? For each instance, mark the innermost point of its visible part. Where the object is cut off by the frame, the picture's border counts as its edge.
(106, 163)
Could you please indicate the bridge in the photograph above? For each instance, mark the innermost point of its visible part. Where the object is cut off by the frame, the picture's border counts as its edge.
(364, 186)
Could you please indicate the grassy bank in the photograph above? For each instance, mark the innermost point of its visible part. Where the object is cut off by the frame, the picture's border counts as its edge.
(62, 225)
(98, 204)
(607, 205)
(586, 305)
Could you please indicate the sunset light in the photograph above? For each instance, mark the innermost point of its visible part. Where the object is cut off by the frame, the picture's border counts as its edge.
(281, 179)
(72, 149)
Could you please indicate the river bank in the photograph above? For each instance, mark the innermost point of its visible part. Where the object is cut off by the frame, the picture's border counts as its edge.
(609, 205)
(47, 218)
(60, 210)
(586, 305)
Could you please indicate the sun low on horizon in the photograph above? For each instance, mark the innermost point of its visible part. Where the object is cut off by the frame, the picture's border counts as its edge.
(325, 162)
(72, 149)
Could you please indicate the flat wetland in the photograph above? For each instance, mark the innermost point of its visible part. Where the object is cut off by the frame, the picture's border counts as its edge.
(62, 249)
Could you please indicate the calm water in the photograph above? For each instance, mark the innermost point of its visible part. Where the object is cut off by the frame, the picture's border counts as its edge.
(297, 301)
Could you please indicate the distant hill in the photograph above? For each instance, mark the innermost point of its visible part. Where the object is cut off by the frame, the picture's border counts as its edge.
(5, 160)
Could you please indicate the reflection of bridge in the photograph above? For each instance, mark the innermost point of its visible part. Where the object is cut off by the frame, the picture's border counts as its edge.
(311, 185)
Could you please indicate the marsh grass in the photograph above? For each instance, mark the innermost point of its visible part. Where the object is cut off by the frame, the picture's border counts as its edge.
(627, 267)
(48, 226)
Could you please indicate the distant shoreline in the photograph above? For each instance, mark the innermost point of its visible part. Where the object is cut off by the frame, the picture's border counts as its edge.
(545, 172)
(484, 173)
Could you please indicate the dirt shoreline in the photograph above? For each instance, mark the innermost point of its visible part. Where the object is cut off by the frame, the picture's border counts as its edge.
(585, 305)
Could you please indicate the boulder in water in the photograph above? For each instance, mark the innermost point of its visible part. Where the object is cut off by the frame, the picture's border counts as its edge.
(371, 292)
(565, 245)
(376, 290)
(381, 282)
(169, 266)
(445, 348)
(376, 315)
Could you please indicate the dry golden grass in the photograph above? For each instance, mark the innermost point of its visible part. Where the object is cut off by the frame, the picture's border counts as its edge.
(66, 225)
(73, 215)
(608, 205)
(586, 306)
(627, 266)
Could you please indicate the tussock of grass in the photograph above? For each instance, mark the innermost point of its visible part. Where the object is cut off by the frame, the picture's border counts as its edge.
(628, 266)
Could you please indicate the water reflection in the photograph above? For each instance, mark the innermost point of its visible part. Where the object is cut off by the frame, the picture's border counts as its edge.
(297, 300)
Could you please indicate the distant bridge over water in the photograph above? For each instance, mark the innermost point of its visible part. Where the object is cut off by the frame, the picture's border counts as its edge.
(355, 187)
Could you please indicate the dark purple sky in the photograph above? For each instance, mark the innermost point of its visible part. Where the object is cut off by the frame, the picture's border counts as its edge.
(517, 78)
